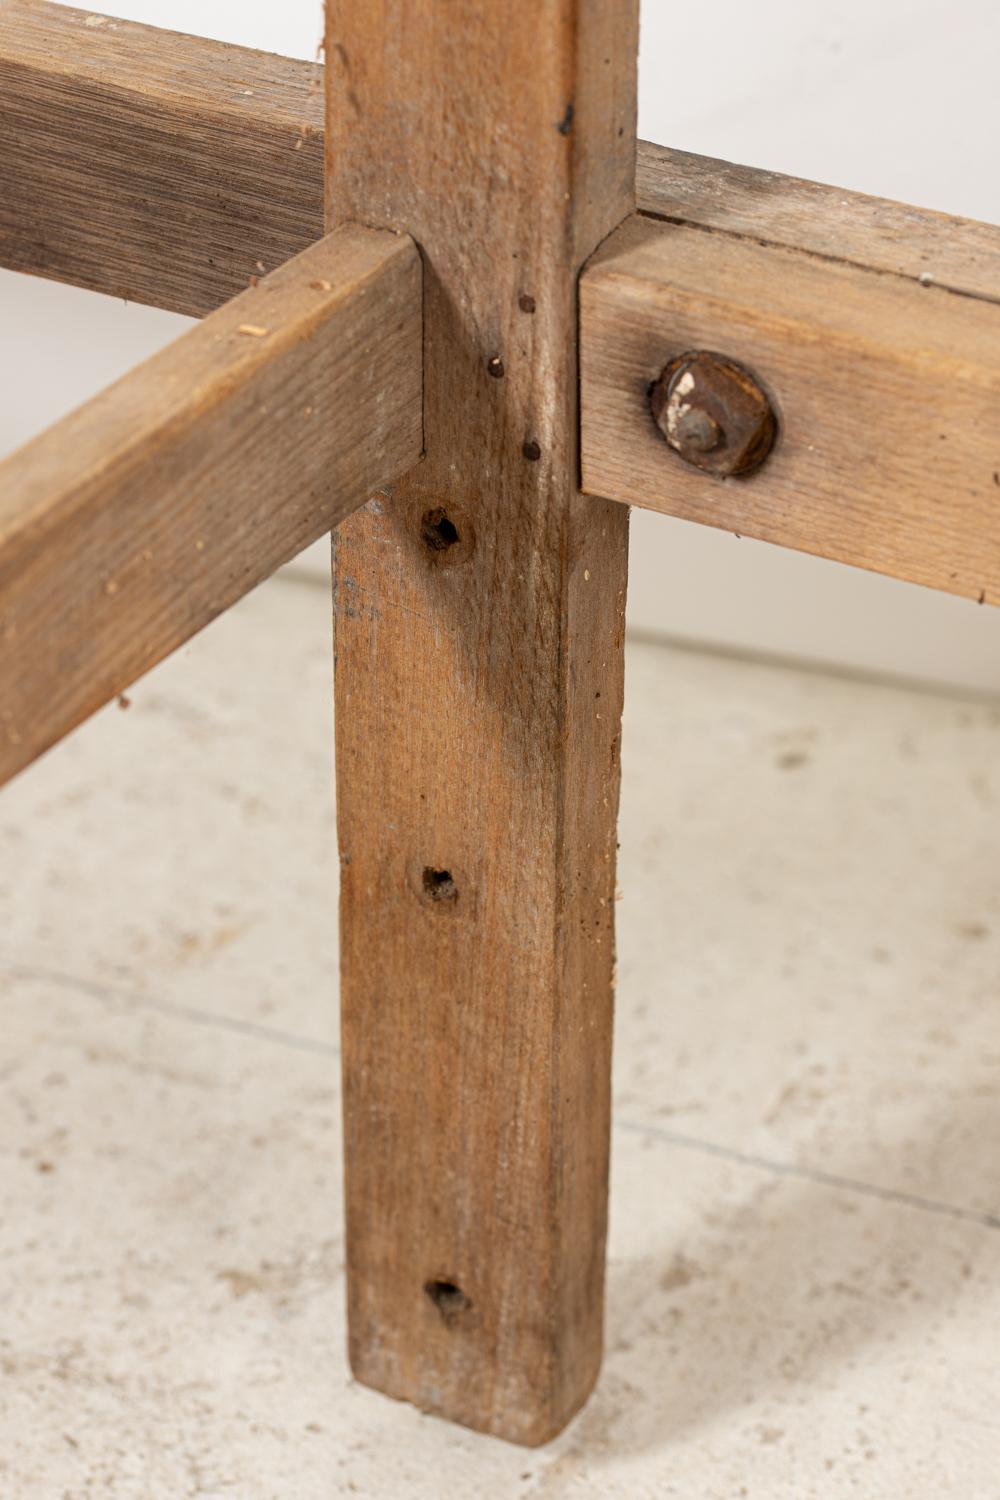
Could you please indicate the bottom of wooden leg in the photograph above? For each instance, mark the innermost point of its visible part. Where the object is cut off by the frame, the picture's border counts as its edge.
(535, 1418)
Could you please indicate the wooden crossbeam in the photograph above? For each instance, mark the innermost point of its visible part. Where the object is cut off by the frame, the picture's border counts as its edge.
(152, 166)
(127, 527)
(885, 378)
(161, 167)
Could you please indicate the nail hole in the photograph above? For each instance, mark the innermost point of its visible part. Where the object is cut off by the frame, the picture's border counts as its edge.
(526, 303)
(437, 531)
(532, 451)
(494, 367)
(449, 1299)
(439, 886)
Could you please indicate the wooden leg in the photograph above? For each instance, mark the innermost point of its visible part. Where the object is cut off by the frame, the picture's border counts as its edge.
(479, 624)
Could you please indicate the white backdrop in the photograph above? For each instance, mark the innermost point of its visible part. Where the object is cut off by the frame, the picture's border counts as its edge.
(897, 98)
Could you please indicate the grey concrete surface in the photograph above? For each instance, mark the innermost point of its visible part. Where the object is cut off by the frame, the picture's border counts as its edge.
(804, 1280)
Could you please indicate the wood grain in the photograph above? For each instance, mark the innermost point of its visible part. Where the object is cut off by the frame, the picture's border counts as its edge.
(887, 393)
(768, 208)
(135, 521)
(162, 167)
(479, 627)
(148, 165)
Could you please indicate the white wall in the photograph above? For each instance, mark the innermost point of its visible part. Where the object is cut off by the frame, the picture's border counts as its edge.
(896, 97)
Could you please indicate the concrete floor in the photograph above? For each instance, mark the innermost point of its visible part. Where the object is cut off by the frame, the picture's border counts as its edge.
(804, 1283)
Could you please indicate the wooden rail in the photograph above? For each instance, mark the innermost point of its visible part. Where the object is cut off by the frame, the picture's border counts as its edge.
(152, 166)
(774, 211)
(127, 527)
(887, 393)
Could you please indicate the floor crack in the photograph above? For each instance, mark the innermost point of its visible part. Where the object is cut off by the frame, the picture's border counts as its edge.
(98, 991)
(810, 1174)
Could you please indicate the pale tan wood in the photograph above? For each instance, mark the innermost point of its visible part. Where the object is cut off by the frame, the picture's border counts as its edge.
(887, 393)
(768, 208)
(135, 521)
(479, 691)
(152, 166)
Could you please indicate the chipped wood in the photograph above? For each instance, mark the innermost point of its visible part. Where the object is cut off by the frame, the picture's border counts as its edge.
(886, 394)
(152, 166)
(194, 164)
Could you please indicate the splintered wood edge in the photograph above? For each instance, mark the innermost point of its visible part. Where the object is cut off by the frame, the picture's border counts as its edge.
(769, 209)
(129, 525)
(151, 166)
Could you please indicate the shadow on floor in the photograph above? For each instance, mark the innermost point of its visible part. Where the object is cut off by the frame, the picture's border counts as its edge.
(790, 1285)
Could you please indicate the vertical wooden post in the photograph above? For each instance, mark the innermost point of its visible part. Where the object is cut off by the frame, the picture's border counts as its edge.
(479, 623)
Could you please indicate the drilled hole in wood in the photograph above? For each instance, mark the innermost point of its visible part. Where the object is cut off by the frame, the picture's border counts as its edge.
(439, 886)
(449, 1299)
(438, 532)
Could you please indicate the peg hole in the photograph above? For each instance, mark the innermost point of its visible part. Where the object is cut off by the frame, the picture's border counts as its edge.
(444, 533)
(438, 531)
(449, 1299)
(439, 886)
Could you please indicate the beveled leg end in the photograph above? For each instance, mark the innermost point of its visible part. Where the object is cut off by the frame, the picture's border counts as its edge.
(438, 1364)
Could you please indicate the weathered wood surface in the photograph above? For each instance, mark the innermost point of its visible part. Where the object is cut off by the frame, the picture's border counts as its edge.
(135, 521)
(771, 209)
(479, 627)
(152, 166)
(887, 394)
(162, 167)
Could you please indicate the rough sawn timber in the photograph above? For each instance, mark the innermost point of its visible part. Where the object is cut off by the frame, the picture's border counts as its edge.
(479, 630)
(132, 523)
